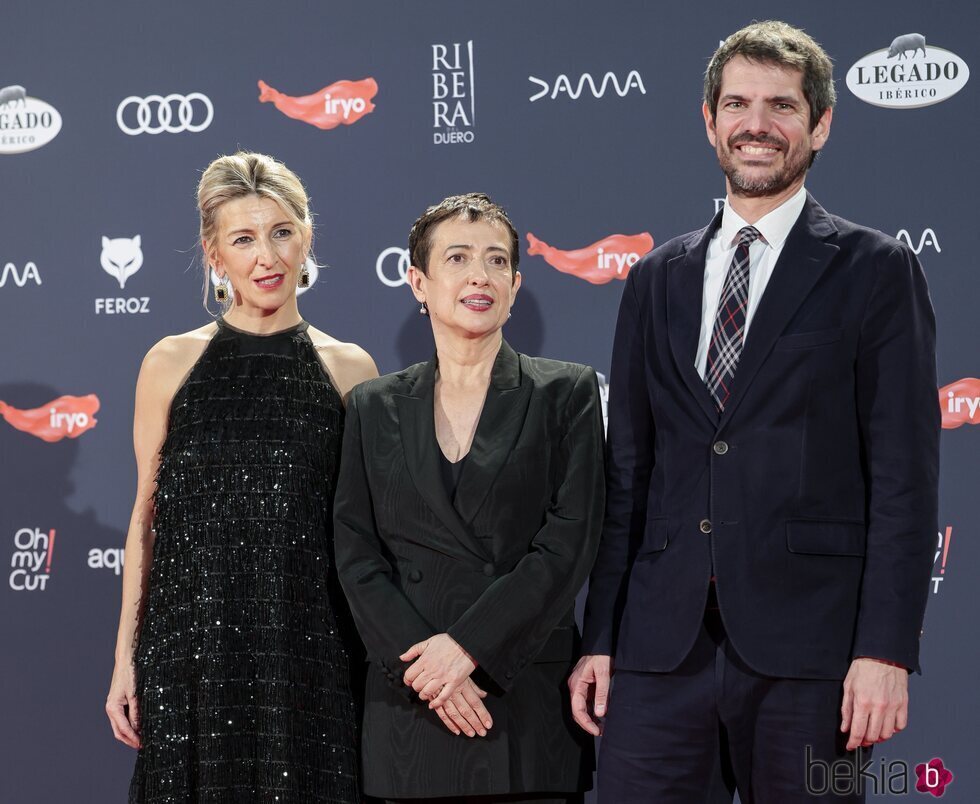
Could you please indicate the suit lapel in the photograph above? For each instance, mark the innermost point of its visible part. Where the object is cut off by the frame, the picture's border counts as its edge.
(499, 427)
(418, 435)
(685, 288)
(804, 258)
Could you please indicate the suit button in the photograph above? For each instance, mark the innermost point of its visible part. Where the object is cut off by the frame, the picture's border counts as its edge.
(415, 576)
(488, 569)
(720, 447)
(509, 674)
(705, 526)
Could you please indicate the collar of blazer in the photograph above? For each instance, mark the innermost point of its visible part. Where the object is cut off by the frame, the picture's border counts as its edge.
(808, 251)
(501, 422)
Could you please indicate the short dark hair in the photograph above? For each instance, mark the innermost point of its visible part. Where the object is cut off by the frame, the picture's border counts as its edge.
(470, 207)
(775, 42)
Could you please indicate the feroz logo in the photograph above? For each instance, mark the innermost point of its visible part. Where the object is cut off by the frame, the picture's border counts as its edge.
(342, 103)
(907, 74)
(112, 558)
(122, 257)
(927, 238)
(64, 417)
(608, 259)
(960, 403)
(30, 563)
(453, 98)
(942, 550)
(933, 777)
(158, 114)
(26, 123)
(20, 278)
(401, 266)
(310, 266)
(562, 84)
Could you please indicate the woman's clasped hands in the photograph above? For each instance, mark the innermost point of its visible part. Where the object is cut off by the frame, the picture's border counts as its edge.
(440, 674)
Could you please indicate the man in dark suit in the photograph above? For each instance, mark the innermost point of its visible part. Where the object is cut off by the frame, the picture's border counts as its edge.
(771, 473)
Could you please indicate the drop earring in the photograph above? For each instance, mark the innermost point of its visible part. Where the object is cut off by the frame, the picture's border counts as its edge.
(304, 277)
(424, 309)
(221, 291)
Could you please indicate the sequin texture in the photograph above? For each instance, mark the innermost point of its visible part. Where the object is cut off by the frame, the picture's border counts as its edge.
(244, 661)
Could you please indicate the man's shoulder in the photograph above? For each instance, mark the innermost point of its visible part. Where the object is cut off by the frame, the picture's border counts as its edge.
(665, 252)
(864, 240)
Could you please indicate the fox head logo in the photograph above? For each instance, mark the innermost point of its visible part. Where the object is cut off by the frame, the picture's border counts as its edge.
(121, 257)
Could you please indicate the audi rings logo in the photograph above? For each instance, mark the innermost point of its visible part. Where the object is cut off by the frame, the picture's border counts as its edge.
(173, 114)
(402, 263)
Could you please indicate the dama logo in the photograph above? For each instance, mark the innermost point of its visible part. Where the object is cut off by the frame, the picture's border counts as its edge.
(563, 84)
(31, 559)
(927, 238)
(20, 278)
(960, 403)
(64, 417)
(942, 552)
(605, 260)
(342, 103)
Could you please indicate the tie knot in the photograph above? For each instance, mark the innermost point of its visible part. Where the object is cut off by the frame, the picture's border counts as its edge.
(747, 235)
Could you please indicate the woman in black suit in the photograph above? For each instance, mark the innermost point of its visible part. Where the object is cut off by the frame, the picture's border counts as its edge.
(467, 518)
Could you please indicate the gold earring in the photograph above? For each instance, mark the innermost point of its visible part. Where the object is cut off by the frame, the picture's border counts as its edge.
(304, 278)
(221, 291)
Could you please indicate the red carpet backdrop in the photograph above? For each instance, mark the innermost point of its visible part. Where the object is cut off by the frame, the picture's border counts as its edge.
(583, 119)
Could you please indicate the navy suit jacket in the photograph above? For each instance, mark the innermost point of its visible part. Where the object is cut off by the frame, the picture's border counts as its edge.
(812, 498)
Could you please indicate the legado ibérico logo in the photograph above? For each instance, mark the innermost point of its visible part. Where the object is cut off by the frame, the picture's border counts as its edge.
(30, 562)
(605, 260)
(26, 123)
(960, 403)
(342, 103)
(908, 74)
(64, 417)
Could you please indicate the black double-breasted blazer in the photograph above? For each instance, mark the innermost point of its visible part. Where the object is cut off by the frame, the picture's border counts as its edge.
(498, 571)
(812, 499)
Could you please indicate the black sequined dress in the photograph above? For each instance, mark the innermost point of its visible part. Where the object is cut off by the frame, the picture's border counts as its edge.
(244, 660)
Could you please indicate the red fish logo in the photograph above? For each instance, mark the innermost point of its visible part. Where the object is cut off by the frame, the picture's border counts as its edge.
(608, 259)
(960, 403)
(341, 103)
(64, 417)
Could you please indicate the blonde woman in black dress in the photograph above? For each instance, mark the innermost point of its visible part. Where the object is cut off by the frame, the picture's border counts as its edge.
(233, 659)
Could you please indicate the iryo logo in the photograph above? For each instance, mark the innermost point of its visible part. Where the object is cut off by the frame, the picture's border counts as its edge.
(605, 260)
(341, 103)
(31, 560)
(64, 417)
(960, 403)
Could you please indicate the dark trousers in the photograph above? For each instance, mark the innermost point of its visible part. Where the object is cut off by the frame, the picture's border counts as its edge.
(693, 735)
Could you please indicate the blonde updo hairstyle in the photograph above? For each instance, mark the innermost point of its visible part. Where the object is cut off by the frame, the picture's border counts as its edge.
(240, 175)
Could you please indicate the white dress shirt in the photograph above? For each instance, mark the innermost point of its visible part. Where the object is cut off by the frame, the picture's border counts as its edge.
(763, 254)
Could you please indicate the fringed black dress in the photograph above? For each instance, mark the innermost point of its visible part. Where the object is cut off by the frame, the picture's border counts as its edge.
(245, 656)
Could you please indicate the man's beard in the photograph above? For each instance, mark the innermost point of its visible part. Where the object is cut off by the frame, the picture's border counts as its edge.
(794, 166)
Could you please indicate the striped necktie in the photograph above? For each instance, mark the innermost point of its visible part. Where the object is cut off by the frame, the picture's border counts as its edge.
(728, 333)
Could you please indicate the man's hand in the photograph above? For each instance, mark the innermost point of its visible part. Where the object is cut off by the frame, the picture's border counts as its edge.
(876, 702)
(441, 666)
(590, 681)
(465, 712)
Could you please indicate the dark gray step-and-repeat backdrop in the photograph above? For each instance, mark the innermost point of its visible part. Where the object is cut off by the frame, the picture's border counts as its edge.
(583, 119)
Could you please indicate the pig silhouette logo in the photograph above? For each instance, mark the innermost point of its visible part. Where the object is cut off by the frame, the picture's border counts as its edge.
(121, 257)
(13, 95)
(903, 44)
